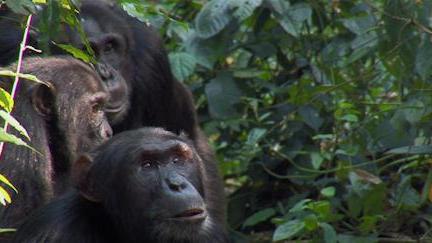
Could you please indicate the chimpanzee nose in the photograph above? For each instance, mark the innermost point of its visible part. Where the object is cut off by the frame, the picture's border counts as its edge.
(176, 183)
(107, 133)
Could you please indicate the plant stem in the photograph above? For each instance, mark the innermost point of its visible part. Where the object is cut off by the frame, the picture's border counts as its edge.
(23, 47)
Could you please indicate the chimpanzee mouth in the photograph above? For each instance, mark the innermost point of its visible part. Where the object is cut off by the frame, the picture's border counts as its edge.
(191, 215)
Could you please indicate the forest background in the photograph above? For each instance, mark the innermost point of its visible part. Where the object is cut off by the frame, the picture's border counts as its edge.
(319, 111)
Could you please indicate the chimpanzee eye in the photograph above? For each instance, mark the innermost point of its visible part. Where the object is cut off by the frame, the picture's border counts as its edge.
(146, 164)
(97, 107)
(175, 160)
(108, 47)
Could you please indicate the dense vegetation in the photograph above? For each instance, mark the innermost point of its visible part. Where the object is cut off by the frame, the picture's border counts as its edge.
(319, 111)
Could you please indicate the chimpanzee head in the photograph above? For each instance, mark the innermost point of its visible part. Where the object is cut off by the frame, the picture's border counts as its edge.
(73, 104)
(111, 40)
(150, 182)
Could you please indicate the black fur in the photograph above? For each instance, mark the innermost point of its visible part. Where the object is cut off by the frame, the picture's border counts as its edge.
(120, 200)
(59, 127)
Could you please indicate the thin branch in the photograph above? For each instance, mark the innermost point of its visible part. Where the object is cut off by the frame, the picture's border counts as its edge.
(23, 47)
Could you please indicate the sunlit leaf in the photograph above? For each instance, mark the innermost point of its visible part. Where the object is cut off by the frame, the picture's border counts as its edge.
(4, 197)
(14, 123)
(10, 138)
(77, 53)
(23, 76)
(6, 101)
(7, 182)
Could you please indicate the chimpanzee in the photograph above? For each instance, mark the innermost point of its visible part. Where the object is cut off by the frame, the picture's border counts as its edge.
(156, 97)
(151, 96)
(144, 185)
(63, 119)
(132, 48)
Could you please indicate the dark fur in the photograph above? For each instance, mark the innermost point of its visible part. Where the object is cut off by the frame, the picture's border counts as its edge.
(118, 200)
(156, 97)
(59, 130)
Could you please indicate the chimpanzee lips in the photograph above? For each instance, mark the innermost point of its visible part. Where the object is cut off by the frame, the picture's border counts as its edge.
(194, 214)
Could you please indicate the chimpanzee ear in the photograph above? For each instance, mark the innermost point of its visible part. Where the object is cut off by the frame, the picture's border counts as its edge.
(42, 99)
(81, 179)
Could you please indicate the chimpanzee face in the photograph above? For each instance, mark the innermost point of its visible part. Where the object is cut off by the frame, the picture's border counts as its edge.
(154, 184)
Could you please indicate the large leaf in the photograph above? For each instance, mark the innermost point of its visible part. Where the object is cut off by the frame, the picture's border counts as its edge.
(182, 64)
(244, 8)
(212, 18)
(217, 14)
(288, 230)
(330, 235)
(292, 20)
(222, 93)
(311, 117)
(423, 65)
(24, 7)
(255, 136)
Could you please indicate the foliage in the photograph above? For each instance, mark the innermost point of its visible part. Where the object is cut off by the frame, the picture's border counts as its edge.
(7, 101)
(318, 111)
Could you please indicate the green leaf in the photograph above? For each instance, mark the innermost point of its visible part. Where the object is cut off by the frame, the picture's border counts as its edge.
(418, 149)
(217, 14)
(298, 207)
(293, 19)
(259, 217)
(244, 8)
(7, 182)
(14, 123)
(349, 118)
(330, 235)
(288, 230)
(212, 18)
(6, 101)
(356, 239)
(255, 136)
(406, 196)
(24, 7)
(77, 53)
(359, 25)
(423, 65)
(222, 93)
(23, 76)
(311, 222)
(328, 191)
(182, 64)
(317, 160)
(322, 208)
(311, 116)
(10, 138)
